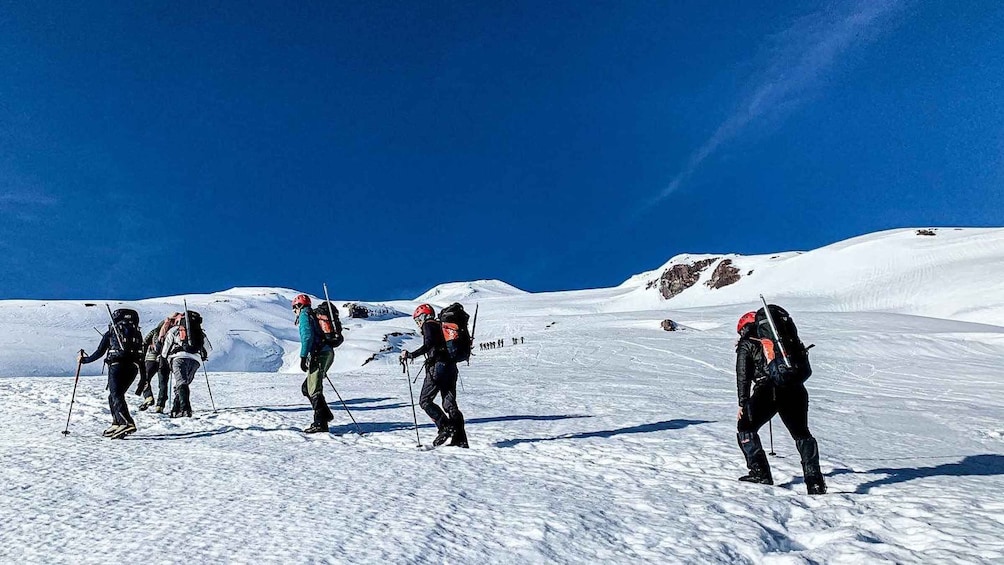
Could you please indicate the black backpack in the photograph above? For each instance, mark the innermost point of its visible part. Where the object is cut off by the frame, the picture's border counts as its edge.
(798, 354)
(193, 339)
(329, 324)
(125, 324)
(454, 320)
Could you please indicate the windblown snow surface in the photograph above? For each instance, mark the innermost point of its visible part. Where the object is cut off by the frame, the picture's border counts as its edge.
(600, 439)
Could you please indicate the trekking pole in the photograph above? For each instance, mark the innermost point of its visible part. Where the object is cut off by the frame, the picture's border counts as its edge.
(209, 387)
(770, 429)
(73, 397)
(358, 429)
(773, 328)
(407, 371)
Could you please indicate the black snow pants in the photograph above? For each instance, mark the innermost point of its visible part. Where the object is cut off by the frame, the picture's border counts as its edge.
(120, 378)
(163, 372)
(791, 403)
(441, 378)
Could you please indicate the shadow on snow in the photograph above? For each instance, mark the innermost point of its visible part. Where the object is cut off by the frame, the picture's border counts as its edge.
(639, 429)
(985, 465)
(374, 427)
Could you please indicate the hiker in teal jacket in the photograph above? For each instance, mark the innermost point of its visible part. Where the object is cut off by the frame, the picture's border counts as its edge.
(315, 360)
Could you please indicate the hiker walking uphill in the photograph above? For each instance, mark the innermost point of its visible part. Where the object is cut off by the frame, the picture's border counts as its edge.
(184, 349)
(770, 383)
(155, 366)
(440, 375)
(123, 344)
(316, 357)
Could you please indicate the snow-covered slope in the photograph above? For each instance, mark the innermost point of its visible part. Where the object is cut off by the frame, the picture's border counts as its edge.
(601, 439)
(954, 274)
(475, 290)
(598, 439)
(943, 272)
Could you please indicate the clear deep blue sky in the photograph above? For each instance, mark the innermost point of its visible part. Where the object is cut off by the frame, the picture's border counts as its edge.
(154, 148)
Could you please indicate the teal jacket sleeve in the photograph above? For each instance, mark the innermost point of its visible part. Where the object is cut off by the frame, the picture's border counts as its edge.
(307, 336)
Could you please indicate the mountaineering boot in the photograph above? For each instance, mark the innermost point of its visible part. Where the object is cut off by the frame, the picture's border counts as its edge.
(444, 434)
(147, 402)
(758, 474)
(159, 410)
(756, 459)
(111, 430)
(808, 450)
(460, 431)
(316, 428)
(123, 431)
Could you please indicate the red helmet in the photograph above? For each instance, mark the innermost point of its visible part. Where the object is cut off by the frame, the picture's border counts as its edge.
(747, 319)
(301, 300)
(424, 310)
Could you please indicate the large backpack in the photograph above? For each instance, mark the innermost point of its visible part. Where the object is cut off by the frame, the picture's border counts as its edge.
(125, 324)
(165, 326)
(798, 355)
(193, 339)
(329, 324)
(454, 320)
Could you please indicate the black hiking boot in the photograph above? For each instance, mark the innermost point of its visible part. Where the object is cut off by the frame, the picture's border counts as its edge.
(815, 485)
(758, 475)
(444, 434)
(316, 428)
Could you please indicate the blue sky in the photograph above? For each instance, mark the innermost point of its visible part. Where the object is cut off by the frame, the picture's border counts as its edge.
(158, 148)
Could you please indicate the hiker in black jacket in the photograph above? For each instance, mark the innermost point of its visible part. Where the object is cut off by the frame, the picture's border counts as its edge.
(759, 401)
(122, 370)
(440, 378)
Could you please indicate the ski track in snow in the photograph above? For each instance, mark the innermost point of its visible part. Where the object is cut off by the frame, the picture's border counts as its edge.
(601, 439)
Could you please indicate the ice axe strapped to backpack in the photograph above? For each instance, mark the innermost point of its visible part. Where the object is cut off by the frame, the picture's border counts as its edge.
(786, 357)
(127, 339)
(454, 321)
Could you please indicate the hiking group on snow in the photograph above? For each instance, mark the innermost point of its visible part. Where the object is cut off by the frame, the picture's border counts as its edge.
(772, 365)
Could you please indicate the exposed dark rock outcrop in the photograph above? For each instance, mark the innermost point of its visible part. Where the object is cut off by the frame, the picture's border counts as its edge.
(669, 325)
(679, 278)
(356, 310)
(724, 275)
(926, 232)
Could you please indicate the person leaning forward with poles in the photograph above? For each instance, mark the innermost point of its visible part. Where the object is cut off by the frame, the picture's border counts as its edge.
(123, 345)
(765, 390)
(316, 357)
(440, 378)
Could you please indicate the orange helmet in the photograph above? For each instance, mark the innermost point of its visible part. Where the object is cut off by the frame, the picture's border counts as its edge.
(422, 311)
(747, 319)
(301, 300)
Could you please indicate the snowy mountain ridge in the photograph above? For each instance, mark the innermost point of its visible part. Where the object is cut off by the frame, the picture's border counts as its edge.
(954, 274)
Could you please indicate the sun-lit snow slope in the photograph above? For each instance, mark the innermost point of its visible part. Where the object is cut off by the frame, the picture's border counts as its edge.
(956, 274)
(601, 439)
(250, 329)
(473, 290)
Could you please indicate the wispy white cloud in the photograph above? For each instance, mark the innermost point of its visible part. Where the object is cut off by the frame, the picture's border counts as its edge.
(798, 59)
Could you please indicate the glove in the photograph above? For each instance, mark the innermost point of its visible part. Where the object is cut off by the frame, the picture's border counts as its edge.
(303, 364)
(405, 355)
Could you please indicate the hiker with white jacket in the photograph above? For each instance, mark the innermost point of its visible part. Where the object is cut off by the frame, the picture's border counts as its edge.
(185, 350)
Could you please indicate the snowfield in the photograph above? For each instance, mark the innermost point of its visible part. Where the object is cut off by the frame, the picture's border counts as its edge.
(601, 438)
